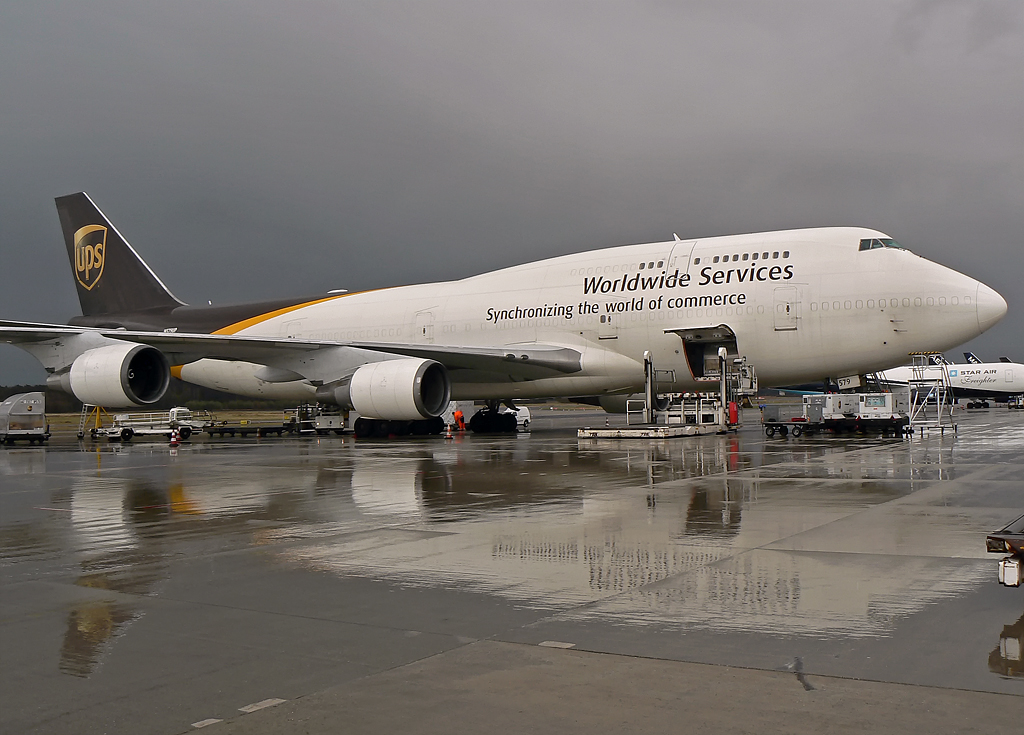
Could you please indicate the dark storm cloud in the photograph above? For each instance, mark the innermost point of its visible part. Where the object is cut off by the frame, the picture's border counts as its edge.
(256, 149)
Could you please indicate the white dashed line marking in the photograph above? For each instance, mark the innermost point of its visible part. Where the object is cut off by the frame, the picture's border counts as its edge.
(556, 644)
(260, 705)
(204, 723)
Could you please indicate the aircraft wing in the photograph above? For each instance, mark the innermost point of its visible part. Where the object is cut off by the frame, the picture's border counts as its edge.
(518, 359)
(523, 361)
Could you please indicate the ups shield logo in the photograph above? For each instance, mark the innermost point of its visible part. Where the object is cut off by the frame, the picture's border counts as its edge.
(90, 254)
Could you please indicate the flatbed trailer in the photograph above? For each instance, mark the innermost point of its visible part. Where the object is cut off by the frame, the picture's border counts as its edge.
(127, 426)
(245, 427)
(305, 420)
(895, 426)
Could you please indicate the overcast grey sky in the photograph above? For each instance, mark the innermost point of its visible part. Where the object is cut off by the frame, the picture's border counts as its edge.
(262, 149)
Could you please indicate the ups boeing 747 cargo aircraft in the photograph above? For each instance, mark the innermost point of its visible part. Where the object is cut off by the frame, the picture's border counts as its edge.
(799, 305)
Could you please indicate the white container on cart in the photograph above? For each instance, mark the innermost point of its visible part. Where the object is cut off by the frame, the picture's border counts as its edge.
(1010, 571)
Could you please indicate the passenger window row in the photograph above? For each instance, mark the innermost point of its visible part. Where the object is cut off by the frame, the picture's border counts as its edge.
(624, 268)
(883, 303)
(745, 256)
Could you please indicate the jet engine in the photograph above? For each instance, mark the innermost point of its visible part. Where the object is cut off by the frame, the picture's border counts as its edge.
(406, 389)
(119, 375)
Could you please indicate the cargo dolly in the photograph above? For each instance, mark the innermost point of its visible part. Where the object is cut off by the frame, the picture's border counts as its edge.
(838, 413)
(1009, 540)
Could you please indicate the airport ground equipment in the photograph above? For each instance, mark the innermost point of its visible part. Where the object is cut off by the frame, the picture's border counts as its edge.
(667, 415)
(92, 415)
(1009, 540)
(317, 419)
(1015, 402)
(308, 419)
(127, 426)
(23, 416)
(931, 395)
(258, 427)
(838, 413)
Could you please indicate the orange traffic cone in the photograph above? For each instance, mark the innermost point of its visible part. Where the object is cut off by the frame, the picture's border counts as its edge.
(174, 438)
(448, 434)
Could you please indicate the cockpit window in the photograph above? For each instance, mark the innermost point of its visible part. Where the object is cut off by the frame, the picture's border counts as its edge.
(880, 242)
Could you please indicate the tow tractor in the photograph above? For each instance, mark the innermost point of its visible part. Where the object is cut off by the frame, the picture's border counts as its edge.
(1009, 540)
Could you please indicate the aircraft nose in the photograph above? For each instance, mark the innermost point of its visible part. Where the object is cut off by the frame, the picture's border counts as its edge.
(991, 307)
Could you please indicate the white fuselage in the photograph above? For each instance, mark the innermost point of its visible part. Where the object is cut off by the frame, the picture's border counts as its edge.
(986, 378)
(803, 305)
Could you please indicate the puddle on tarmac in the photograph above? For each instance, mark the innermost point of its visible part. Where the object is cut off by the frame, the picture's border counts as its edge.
(667, 533)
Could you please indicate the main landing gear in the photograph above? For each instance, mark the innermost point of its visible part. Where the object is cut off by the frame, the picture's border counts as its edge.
(489, 421)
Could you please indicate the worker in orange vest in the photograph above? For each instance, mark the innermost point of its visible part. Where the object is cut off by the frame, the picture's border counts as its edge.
(460, 420)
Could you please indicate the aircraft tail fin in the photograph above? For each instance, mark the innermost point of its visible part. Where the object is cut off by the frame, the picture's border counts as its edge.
(972, 358)
(110, 276)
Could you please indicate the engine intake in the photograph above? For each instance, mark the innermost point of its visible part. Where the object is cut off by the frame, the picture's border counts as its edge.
(119, 375)
(405, 389)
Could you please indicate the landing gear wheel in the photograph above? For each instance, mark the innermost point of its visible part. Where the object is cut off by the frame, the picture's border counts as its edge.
(487, 421)
(363, 428)
(428, 427)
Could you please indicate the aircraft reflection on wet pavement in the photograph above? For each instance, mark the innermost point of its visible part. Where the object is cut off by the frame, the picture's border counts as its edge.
(698, 535)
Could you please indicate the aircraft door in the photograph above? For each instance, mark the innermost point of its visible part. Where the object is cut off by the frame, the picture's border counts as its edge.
(425, 327)
(681, 255)
(700, 347)
(787, 308)
(292, 328)
(607, 329)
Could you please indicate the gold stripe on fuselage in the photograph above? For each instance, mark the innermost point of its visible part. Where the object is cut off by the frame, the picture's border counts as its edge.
(260, 318)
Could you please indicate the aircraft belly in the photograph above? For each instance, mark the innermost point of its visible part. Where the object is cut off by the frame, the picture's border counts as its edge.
(544, 388)
(239, 377)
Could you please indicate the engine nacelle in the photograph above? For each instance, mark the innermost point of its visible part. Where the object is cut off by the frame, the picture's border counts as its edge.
(119, 375)
(407, 389)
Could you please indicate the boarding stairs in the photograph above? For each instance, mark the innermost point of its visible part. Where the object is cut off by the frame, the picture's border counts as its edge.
(931, 395)
(91, 415)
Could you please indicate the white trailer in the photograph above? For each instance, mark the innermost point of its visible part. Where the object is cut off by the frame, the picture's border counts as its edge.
(23, 416)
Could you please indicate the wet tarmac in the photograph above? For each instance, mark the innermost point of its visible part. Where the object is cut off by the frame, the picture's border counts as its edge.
(150, 590)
